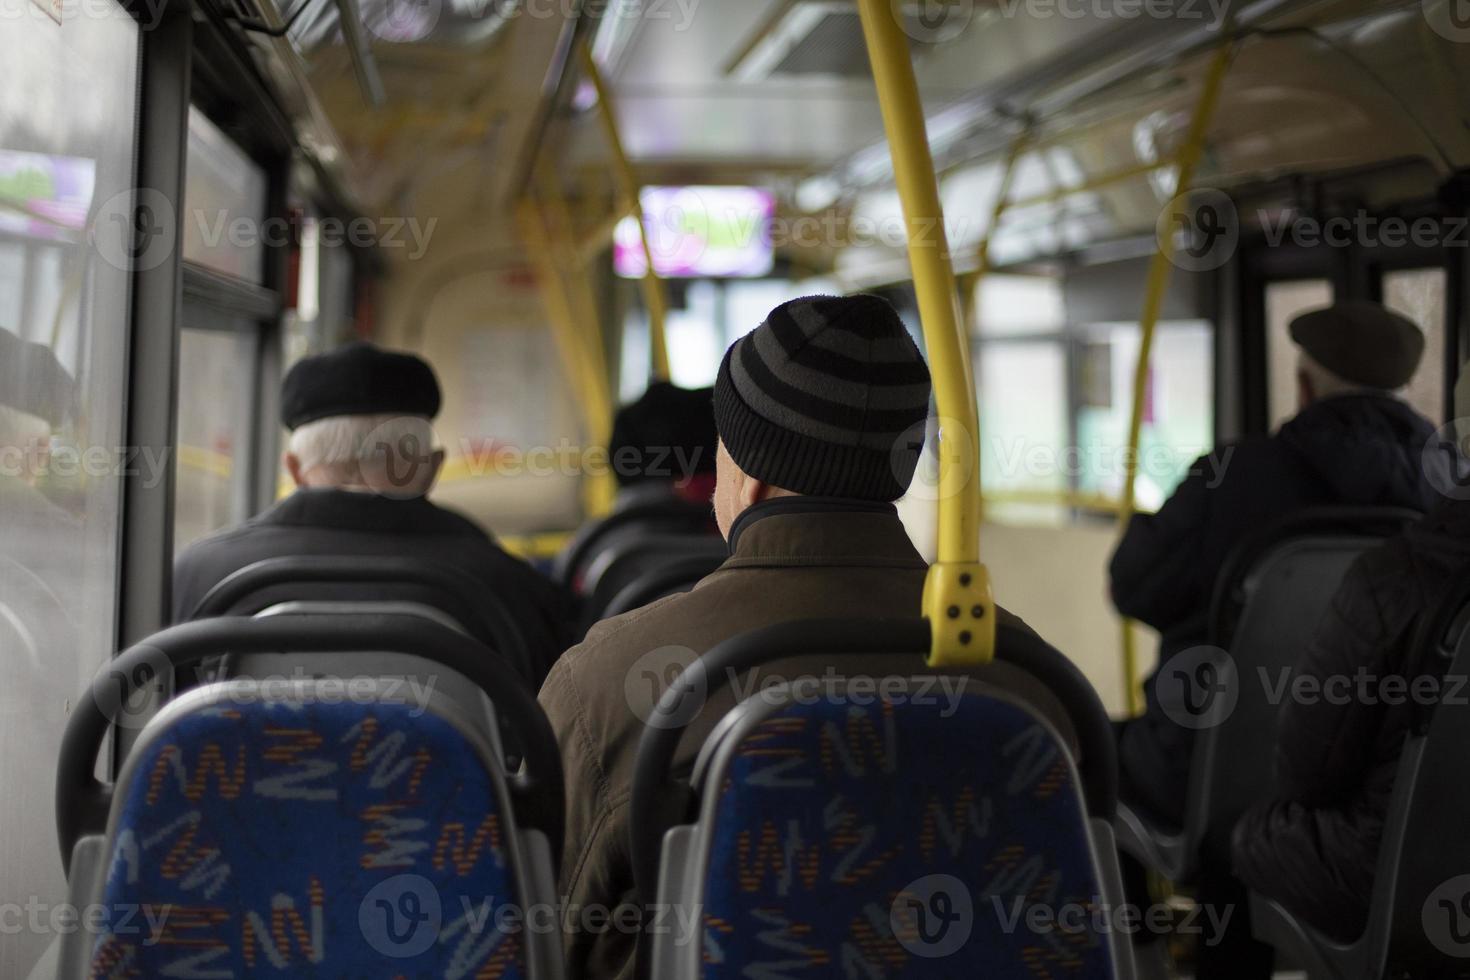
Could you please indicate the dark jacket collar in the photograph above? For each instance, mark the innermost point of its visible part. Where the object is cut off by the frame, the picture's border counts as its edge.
(820, 531)
(362, 511)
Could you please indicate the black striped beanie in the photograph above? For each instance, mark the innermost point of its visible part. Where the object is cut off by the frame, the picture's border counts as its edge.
(827, 397)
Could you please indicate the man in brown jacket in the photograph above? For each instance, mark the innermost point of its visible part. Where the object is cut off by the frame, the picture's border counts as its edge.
(820, 411)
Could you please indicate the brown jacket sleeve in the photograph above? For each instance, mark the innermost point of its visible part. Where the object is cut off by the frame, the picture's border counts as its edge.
(596, 872)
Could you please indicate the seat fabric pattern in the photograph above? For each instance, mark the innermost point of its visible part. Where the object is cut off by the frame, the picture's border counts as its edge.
(310, 840)
(889, 840)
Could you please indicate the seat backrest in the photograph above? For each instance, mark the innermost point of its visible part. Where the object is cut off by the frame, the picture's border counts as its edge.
(622, 562)
(894, 835)
(1235, 698)
(667, 515)
(862, 821)
(333, 578)
(672, 576)
(1425, 861)
(316, 829)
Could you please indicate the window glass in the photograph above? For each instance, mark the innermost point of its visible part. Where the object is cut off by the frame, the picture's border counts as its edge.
(1284, 302)
(715, 314)
(1019, 305)
(1023, 429)
(1178, 411)
(12, 281)
(214, 427)
(224, 197)
(1419, 295)
(696, 337)
(67, 110)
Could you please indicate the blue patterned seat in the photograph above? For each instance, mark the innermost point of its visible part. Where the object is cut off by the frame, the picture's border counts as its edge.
(876, 838)
(311, 837)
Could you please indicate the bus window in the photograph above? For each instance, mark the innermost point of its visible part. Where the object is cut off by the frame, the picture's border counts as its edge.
(224, 208)
(1021, 361)
(214, 426)
(716, 312)
(1284, 302)
(1023, 429)
(67, 145)
(1419, 295)
(224, 198)
(1178, 411)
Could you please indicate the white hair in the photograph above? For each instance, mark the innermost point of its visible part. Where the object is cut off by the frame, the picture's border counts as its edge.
(344, 442)
(1326, 383)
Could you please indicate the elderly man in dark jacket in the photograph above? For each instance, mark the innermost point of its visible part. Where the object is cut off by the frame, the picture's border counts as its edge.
(1315, 847)
(363, 459)
(816, 410)
(1353, 442)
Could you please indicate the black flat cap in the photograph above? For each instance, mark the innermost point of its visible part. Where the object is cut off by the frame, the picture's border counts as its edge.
(358, 379)
(1361, 342)
(33, 381)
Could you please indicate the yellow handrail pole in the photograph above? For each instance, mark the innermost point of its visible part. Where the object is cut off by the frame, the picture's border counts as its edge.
(579, 289)
(982, 251)
(957, 596)
(1158, 283)
(601, 488)
(532, 224)
(653, 292)
(1002, 201)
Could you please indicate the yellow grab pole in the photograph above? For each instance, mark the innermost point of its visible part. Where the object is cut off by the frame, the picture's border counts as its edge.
(1158, 283)
(982, 252)
(589, 389)
(957, 596)
(579, 289)
(1002, 201)
(653, 292)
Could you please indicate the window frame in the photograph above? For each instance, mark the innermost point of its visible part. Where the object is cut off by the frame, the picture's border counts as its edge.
(1355, 272)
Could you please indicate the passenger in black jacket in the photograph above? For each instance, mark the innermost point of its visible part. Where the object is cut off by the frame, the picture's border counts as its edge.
(363, 459)
(1353, 442)
(1315, 847)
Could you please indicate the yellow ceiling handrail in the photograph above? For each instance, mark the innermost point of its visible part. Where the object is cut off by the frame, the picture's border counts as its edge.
(1160, 268)
(957, 596)
(653, 292)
